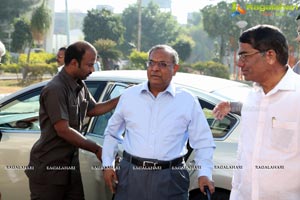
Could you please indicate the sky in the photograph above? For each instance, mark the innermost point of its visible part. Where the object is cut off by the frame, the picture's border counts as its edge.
(180, 8)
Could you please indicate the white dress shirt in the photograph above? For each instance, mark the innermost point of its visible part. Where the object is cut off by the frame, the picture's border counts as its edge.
(159, 127)
(269, 146)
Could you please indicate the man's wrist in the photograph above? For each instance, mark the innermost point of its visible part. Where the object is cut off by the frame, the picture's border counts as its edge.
(97, 150)
(107, 168)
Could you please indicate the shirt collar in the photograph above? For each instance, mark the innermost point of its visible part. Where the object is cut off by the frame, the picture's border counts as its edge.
(74, 85)
(171, 89)
(286, 83)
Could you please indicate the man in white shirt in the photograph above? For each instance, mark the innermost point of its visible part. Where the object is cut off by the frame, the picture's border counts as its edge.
(157, 118)
(269, 144)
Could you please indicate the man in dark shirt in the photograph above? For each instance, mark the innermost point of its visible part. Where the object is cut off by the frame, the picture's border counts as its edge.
(64, 103)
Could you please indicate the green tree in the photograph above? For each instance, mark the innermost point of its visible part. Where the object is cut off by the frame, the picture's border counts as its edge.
(9, 10)
(211, 68)
(157, 27)
(107, 50)
(102, 24)
(138, 59)
(183, 45)
(219, 24)
(40, 22)
(21, 37)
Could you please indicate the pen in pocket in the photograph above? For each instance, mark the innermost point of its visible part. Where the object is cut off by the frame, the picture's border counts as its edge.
(273, 121)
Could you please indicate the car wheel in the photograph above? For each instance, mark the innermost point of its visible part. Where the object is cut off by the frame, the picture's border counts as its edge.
(217, 195)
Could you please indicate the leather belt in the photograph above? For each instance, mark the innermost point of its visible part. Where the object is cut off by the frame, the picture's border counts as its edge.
(151, 163)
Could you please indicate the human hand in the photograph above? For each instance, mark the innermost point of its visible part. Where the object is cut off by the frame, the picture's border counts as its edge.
(221, 110)
(204, 181)
(110, 178)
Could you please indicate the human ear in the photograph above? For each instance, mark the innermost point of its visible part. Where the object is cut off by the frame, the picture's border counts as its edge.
(270, 56)
(175, 69)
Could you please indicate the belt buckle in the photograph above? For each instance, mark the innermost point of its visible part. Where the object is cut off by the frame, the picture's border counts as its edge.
(149, 164)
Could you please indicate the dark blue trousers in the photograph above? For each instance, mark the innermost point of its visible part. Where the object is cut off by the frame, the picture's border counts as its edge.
(137, 183)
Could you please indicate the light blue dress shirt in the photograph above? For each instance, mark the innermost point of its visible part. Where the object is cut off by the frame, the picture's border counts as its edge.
(159, 127)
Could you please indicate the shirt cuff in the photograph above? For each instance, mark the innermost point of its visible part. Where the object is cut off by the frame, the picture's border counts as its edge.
(236, 107)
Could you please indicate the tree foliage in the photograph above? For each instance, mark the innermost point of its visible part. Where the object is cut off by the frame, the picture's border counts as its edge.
(222, 26)
(107, 50)
(40, 22)
(211, 68)
(11, 9)
(183, 45)
(158, 27)
(138, 59)
(102, 24)
(219, 25)
(21, 37)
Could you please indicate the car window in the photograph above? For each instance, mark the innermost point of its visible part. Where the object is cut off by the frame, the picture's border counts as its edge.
(100, 122)
(96, 88)
(219, 128)
(22, 112)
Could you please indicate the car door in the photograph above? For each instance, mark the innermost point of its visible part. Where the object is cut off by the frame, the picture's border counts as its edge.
(91, 167)
(19, 130)
(19, 127)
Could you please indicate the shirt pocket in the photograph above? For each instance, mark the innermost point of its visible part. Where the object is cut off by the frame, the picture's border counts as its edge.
(284, 136)
(83, 109)
(73, 116)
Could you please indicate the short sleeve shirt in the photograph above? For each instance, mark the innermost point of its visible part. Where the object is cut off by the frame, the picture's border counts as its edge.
(63, 98)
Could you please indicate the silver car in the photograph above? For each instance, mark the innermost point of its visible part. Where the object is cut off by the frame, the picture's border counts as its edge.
(19, 126)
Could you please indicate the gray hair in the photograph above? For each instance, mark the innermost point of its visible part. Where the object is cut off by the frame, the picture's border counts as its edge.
(169, 49)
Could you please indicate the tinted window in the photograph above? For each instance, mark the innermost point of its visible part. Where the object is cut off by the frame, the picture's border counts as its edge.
(22, 112)
(219, 128)
(100, 122)
(96, 88)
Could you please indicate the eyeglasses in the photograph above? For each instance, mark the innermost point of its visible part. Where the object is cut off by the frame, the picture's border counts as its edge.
(243, 57)
(160, 64)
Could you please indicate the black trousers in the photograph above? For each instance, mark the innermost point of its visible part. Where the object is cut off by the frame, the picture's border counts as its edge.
(50, 191)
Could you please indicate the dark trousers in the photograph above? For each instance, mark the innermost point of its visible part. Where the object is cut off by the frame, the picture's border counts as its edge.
(142, 184)
(72, 191)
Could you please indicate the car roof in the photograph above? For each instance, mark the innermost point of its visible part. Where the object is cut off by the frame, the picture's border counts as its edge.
(195, 82)
(205, 83)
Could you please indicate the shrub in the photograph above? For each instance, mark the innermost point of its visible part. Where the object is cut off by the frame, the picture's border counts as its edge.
(211, 68)
(138, 60)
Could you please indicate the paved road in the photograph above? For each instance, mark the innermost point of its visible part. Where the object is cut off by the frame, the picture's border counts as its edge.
(19, 76)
